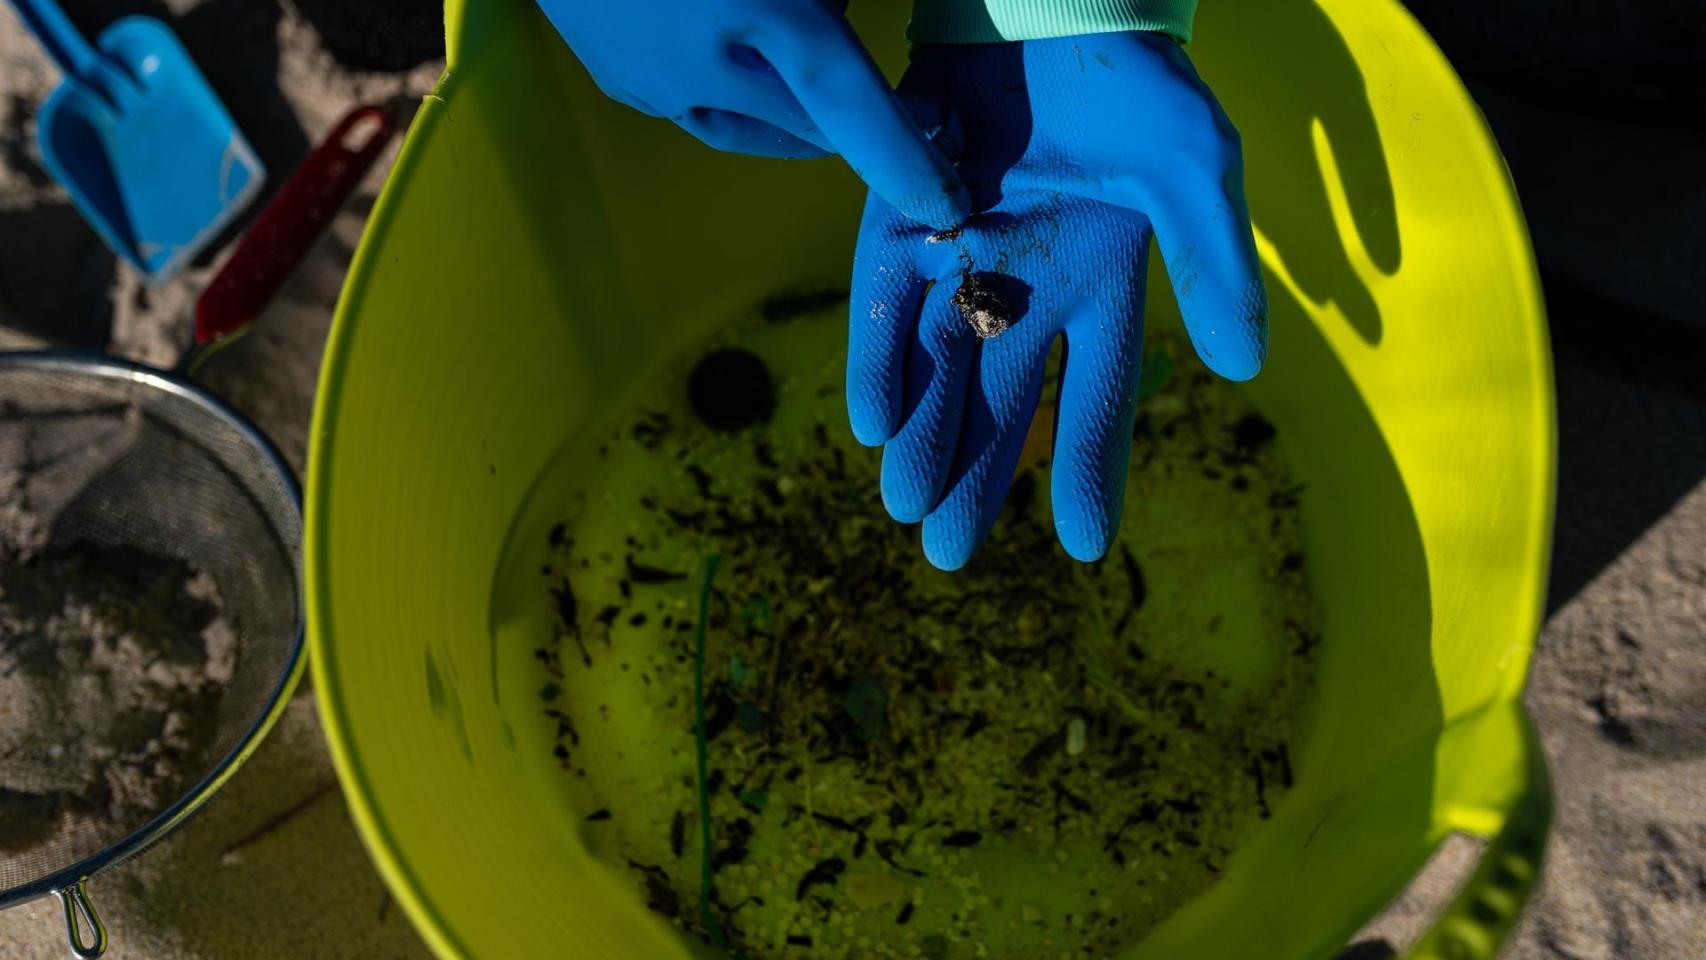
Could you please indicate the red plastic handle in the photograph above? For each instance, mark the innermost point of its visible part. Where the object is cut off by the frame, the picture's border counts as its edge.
(280, 237)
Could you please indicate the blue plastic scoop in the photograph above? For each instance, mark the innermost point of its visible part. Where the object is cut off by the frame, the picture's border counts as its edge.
(148, 153)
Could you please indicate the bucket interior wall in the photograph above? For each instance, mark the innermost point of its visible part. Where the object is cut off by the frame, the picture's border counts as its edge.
(537, 249)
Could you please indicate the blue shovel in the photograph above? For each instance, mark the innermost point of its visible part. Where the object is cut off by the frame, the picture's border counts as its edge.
(141, 142)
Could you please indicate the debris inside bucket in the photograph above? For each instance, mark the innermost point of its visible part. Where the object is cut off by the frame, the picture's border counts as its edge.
(1033, 753)
(112, 662)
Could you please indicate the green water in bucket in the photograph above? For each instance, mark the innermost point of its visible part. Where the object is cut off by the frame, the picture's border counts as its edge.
(1045, 754)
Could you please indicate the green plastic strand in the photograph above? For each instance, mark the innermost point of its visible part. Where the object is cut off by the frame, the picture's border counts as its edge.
(705, 912)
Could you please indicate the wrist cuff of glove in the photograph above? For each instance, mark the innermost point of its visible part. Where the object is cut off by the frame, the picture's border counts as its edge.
(996, 21)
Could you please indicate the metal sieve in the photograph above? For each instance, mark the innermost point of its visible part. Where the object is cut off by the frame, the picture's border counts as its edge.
(115, 455)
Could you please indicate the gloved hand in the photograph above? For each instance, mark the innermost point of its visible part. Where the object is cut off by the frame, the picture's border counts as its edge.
(1074, 150)
(774, 78)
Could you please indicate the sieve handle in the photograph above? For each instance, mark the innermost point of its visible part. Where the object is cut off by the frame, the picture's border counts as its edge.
(1482, 915)
(270, 250)
(75, 900)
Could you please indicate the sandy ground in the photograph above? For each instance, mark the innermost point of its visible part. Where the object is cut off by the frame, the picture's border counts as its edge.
(273, 868)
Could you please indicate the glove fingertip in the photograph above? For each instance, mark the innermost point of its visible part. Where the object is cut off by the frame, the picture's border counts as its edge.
(950, 536)
(1086, 542)
(959, 200)
(904, 489)
(946, 552)
(932, 194)
(945, 210)
(904, 509)
(1237, 350)
(1237, 358)
(1237, 369)
(1087, 522)
(873, 424)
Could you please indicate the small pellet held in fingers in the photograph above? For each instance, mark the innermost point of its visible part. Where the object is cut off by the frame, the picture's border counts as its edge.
(986, 310)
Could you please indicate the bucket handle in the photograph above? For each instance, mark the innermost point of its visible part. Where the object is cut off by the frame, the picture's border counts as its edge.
(1481, 916)
(75, 900)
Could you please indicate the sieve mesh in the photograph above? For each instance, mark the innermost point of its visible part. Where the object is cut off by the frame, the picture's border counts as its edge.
(113, 456)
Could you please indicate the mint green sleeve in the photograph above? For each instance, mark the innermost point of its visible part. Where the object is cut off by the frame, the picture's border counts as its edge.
(994, 21)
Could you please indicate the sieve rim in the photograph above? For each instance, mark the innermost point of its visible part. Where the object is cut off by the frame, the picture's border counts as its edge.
(114, 369)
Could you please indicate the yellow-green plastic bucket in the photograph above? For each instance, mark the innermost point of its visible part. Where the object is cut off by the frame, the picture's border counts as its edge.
(535, 242)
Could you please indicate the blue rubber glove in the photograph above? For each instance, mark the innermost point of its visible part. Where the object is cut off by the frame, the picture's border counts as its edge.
(773, 78)
(1075, 149)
